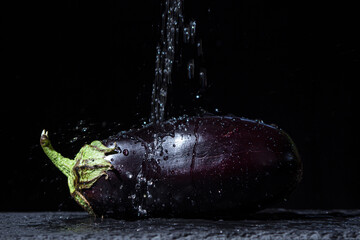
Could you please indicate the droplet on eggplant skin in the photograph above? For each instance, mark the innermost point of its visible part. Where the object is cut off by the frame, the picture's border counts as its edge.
(126, 152)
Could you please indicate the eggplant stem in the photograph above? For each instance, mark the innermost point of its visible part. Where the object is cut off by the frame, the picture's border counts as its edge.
(82, 171)
(81, 200)
(65, 165)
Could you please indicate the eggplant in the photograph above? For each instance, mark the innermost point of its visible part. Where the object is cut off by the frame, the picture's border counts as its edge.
(187, 167)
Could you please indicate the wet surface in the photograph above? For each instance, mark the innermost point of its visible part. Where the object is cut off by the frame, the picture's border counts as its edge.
(269, 224)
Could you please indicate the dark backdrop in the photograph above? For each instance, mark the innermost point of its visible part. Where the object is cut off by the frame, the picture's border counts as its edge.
(84, 70)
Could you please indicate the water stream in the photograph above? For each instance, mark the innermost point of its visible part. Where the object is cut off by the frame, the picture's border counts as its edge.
(172, 22)
(176, 35)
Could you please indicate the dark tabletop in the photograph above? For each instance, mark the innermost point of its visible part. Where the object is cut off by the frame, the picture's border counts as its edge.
(268, 224)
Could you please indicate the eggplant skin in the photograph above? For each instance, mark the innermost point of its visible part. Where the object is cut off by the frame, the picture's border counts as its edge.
(196, 167)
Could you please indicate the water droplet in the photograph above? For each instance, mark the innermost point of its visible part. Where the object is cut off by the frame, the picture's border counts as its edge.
(199, 48)
(203, 78)
(259, 121)
(191, 69)
(192, 30)
(163, 92)
(129, 175)
(186, 35)
(289, 157)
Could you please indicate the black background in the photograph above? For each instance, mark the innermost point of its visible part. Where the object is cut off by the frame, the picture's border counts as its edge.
(84, 70)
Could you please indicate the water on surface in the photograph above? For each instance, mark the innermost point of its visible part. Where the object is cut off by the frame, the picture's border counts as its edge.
(269, 224)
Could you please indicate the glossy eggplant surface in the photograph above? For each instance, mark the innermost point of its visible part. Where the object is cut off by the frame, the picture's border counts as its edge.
(186, 167)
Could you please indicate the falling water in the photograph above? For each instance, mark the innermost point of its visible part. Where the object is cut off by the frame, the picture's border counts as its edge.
(172, 21)
(175, 32)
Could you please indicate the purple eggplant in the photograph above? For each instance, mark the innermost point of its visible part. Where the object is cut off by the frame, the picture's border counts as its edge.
(186, 167)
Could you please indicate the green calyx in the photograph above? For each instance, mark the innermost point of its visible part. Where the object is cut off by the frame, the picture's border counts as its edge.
(82, 171)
